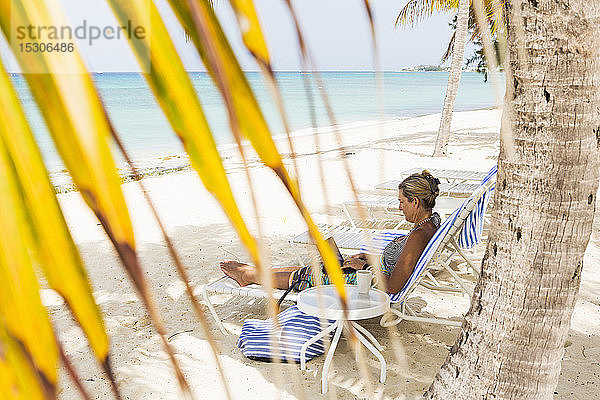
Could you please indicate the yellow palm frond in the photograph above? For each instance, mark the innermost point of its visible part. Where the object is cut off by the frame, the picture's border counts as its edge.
(81, 131)
(18, 377)
(53, 243)
(75, 117)
(251, 31)
(22, 314)
(199, 20)
(177, 97)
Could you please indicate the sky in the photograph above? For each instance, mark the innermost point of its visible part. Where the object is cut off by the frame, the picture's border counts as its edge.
(337, 33)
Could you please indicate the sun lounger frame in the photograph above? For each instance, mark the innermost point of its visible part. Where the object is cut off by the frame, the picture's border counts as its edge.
(462, 229)
(456, 237)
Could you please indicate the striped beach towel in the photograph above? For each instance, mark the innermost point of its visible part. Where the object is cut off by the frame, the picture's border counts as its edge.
(295, 329)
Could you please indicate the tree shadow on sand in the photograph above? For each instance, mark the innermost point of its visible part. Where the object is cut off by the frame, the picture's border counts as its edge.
(144, 371)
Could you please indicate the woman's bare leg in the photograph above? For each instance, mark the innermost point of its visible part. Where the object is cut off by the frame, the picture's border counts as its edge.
(245, 274)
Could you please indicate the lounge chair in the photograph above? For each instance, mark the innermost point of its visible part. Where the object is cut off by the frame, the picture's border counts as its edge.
(458, 182)
(460, 189)
(463, 229)
(451, 175)
(458, 185)
(347, 238)
(389, 204)
(226, 285)
(373, 241)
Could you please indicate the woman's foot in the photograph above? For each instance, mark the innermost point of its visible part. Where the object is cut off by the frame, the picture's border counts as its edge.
(243, 274)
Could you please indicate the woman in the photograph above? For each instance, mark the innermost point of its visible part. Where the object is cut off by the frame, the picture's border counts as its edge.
(416, 195)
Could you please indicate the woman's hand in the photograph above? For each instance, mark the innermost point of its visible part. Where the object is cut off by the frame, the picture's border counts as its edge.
(360, 256)
(354, 262)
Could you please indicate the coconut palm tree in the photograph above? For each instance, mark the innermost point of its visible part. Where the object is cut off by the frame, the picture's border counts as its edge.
(416, 10)
(512, 340)
(458, 53)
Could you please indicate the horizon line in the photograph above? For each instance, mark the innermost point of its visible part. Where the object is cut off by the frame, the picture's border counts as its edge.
(406, 69)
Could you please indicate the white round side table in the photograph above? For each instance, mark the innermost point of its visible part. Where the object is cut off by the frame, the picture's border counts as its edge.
(323, 302)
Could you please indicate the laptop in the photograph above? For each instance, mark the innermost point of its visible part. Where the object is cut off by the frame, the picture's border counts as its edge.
(335, 249)
(339, 255)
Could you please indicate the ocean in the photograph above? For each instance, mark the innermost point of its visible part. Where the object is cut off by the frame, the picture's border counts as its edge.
(146, 133)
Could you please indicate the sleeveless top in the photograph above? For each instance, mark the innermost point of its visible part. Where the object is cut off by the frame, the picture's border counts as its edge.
(303, 277)
(391, 252)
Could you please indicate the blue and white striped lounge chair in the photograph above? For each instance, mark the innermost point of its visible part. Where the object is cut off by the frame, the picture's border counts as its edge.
(373, 241)
(462, 229)
(389, 203)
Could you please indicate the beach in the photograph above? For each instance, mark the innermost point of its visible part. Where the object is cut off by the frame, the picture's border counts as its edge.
(374, 152)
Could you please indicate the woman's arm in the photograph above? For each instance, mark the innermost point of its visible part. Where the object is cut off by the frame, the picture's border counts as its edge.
(415, 244)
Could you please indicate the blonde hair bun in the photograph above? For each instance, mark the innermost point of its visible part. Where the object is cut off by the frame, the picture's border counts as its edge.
(423, 186)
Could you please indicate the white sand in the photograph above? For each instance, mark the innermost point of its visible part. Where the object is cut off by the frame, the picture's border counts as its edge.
(203, 237)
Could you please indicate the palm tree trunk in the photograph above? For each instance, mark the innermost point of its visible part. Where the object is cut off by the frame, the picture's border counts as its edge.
(458, 53)
(511, 342)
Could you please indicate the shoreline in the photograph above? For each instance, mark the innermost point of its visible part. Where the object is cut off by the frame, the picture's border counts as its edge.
(179, 161)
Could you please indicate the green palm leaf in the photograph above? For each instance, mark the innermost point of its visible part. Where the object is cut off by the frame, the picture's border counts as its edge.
(416, 11)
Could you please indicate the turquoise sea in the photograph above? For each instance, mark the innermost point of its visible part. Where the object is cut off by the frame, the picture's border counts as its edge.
(146, 133)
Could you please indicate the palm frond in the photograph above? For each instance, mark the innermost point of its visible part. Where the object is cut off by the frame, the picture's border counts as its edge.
(53, 244)
(449, 48)
(81, 132)
(415, 11)
(19, 379)
(245, 115)
(23, 317)
(254, 41)
(251, 32)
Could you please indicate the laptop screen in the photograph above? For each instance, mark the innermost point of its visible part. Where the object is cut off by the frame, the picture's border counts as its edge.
(335, 249)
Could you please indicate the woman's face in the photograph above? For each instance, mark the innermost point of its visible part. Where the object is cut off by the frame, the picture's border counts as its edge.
(408, 208)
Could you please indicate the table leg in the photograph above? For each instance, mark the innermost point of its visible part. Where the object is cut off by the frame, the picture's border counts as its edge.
(336, 338)
(375, 352)
(312, 340)
(368, 334)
